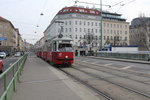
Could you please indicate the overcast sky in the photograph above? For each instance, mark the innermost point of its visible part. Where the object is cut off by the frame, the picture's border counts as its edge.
(25, 14)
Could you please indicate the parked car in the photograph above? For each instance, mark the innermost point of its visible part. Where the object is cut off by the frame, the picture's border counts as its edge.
(2, 55)
(17, 54)
(1, 66)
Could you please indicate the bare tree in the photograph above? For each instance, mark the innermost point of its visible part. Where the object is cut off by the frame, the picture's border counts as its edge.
(144, 34)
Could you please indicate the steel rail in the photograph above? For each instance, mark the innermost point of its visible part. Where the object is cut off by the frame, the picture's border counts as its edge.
(129, 71)
(116, 74)
(89, 86)
(125, 87)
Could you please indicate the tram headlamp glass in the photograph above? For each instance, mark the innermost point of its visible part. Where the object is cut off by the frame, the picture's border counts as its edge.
(66, 56)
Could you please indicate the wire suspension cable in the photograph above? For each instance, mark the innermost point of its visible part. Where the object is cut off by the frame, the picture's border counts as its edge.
(77, 1)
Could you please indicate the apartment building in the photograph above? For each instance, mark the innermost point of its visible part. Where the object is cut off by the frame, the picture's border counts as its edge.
(83, 25)
(140, 33)
(9, 36)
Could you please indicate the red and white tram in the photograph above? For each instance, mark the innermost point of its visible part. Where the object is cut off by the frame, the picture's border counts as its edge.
(59, 51)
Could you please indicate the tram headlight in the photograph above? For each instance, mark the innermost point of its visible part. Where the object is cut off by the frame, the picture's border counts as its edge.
(66, 57)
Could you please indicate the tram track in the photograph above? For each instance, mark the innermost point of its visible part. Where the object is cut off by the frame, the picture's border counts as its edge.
(143, 78)
(106, 97)
(114, 72)
(128, 88)
(114, 67)
(104, 92)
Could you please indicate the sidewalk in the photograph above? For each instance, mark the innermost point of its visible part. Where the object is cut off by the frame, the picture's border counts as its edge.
(40, 81)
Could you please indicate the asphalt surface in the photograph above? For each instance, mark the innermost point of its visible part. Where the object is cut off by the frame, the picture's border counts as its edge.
(120, 64)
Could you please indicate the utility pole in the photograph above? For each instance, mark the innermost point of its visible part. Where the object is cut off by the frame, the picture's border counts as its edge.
(101, 18)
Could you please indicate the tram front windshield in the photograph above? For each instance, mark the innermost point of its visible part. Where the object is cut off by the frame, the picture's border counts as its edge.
(65, 47)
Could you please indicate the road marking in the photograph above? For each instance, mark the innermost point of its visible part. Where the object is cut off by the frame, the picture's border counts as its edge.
(127, 67)
(108, 64)
(95, 62)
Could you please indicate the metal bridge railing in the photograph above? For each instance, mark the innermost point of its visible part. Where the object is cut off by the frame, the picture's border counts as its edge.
(10, 78)
(133, 56)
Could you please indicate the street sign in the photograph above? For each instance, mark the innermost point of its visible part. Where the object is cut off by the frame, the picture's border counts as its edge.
(2, 39)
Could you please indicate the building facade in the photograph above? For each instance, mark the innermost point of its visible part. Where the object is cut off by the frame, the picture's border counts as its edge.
(83, 25)
(9, 36)
(140, 33)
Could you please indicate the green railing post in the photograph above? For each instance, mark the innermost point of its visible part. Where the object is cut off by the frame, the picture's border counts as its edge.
(14, 84)
(5, 86)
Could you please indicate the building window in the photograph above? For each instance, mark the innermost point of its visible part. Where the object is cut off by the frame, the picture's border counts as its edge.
(70, 36)
(104, 24)
(88, 23)
(111, 31)
(76, 22)
(92, 30)
(66, 23)
(81, 10)
(96, 37)
(69, 29)
(66, 30)
(104, 31)
(84, 29)
(84, 23)
(111, 38)
(80, 36)
(80, 23)
(118, 32)
(125, 38)
(92, 12)
(76, 30)
(80, 29)
(69, 22)
(91, 23)
(95, 30)
(120, 26)
(107, 31)
(84, 36)
(88, 30)
(104, 38)
(114, 25)
(99, 24)
(111, 25)
(117, 25)
(107, 24)
(107, 37)
(95, 24)
(114, 31)
(76, 37)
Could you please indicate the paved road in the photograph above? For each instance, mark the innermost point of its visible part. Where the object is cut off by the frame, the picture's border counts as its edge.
(144, 68)
(9, 61)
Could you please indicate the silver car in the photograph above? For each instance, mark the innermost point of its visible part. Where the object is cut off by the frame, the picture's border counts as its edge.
(17, 54)
(2, 55)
